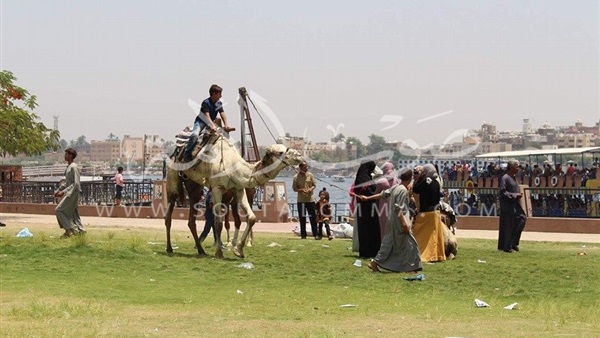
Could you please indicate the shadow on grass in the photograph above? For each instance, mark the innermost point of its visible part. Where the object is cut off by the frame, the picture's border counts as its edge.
(196, 256)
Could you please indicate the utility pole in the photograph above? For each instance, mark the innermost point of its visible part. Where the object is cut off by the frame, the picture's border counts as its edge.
(144, 158)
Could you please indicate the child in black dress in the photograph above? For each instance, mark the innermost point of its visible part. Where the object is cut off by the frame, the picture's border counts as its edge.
(323, 214)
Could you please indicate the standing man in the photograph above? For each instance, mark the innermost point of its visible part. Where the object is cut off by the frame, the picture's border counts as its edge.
(66, 211)
(210, 108)
(512, 216)
(304, 184)
(119, 185)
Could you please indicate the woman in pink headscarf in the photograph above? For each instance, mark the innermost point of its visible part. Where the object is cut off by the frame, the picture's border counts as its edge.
(387, 181)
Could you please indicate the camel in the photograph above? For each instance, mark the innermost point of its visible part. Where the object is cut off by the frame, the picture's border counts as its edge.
(220, 166)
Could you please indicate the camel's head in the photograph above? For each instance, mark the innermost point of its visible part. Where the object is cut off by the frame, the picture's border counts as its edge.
(290, 157)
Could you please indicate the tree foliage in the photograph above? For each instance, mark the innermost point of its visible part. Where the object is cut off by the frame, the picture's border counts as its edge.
(21, 132)
(338, 138)
(80, 142)
(376, 144)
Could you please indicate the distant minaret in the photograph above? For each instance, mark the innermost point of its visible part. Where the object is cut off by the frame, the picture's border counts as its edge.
(56, 121)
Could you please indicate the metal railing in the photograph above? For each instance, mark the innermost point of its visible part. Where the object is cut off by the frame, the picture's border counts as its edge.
(545, 202)
(92, 193)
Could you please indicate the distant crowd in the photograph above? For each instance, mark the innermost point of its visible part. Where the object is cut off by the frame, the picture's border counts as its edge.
(452, 170)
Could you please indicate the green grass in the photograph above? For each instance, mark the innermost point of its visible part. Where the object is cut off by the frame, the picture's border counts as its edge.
(120, 283)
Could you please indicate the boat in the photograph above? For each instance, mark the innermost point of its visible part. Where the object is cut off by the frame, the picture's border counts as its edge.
(337, 178)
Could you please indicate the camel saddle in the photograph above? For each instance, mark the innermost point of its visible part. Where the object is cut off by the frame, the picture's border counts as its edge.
(181, 141)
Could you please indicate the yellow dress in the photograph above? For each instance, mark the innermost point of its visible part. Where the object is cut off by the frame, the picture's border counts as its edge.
(429, 234)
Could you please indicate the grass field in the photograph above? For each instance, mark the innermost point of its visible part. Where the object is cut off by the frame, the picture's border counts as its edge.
(115, 282)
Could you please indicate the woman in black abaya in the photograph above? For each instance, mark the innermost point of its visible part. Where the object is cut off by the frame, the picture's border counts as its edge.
(367, 217)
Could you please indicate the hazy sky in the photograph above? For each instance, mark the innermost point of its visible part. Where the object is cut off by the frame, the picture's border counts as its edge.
(436, 67)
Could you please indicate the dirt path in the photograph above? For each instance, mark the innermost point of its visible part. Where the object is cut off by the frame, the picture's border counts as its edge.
(19, 221)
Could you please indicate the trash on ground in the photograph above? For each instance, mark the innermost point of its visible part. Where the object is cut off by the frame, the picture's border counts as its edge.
(274, 244)
(342, 230)
(25, 233)
(325, 246)
(246, 265)
(293, 251)
(348, 305)
(581, 254)
(357, 263)
(239, 292)
(480, 261)
(512, 306)
(417, 277)
(480, 303)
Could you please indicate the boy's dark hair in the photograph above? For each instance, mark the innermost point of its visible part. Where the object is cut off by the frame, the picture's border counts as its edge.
(120, 169)
(214, 89)
(406, 175)
(71, 151)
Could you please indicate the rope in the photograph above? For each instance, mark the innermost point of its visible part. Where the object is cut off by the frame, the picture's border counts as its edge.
(263, 120)
(273, 136)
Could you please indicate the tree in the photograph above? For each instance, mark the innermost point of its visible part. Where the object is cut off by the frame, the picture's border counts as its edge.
(63, 144)
(338, 138)
(376, 144)
(21, 132)
(80, 142)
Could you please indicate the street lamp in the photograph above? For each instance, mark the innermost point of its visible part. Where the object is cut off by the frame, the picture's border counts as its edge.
(350, 144)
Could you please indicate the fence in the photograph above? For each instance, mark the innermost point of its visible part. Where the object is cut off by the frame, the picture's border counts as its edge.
(92, 193)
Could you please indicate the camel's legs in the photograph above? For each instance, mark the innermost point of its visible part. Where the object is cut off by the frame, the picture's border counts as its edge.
(195, 194)
(168, 219)
(237, 216)
(174, 191)
(237, 222)
(217, 200)
(227, 225)
(238, 250)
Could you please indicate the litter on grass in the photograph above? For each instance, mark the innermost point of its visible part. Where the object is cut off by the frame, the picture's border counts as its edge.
(25, 233)
(239, 292)
(348, 305)
(417, 277)
(246, 265)
(357, 263)
(480, 303)
(274, 244)
(480, 261)
(512, 306)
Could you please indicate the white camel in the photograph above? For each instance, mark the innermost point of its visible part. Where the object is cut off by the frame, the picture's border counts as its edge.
(220, 166)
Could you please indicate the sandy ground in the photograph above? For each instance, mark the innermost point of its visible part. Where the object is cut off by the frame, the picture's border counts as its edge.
(19, 221)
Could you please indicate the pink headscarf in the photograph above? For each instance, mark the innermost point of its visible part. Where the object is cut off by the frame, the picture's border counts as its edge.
(387, 181)
(389, 177)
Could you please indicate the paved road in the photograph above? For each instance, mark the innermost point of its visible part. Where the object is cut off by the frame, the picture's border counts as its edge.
(18, 221)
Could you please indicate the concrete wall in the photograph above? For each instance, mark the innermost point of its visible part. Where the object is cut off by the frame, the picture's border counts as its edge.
(157, 210)
(538, 224)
